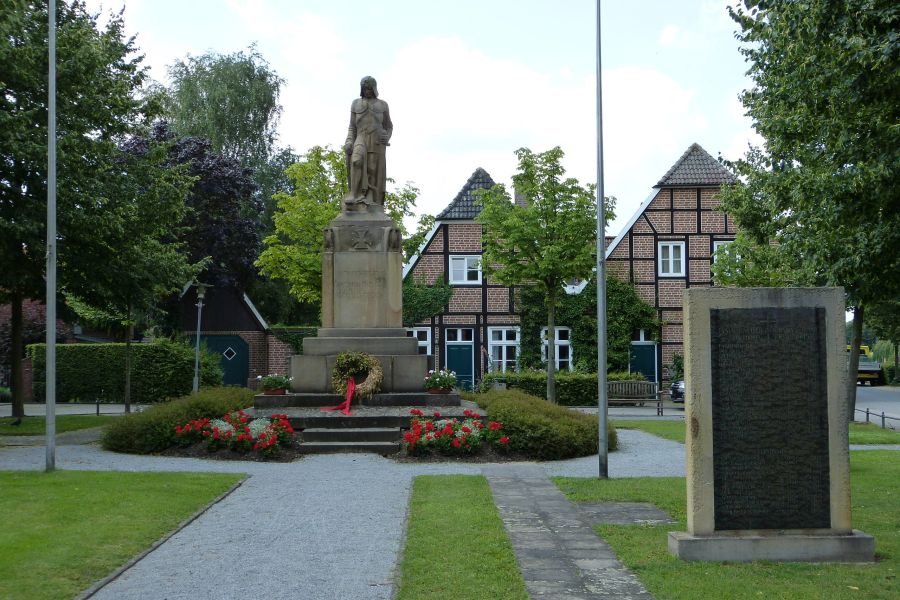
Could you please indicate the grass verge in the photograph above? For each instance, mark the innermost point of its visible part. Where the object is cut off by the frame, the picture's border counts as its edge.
(874, 475)
(67, 529)
(869, 433)
(38, 425)
(860, 433)
(456, 546)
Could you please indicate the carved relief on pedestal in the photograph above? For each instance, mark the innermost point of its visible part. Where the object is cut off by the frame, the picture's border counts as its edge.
(361, 238)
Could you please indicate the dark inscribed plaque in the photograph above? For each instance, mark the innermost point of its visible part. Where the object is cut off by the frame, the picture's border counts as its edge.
(770, 418)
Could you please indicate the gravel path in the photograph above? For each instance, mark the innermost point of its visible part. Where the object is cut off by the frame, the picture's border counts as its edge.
(325, 527)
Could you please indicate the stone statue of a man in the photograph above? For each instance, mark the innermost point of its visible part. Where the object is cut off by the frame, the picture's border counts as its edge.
(368, 136)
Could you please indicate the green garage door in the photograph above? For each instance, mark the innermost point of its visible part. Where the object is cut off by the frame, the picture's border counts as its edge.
(234, 357)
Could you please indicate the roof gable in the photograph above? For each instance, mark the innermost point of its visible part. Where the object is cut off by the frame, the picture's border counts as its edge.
(696, 168)
(463, 206)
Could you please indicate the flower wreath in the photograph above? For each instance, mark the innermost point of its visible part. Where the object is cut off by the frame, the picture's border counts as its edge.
(351, 364)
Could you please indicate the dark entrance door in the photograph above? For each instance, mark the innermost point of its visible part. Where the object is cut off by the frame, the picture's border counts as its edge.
(643, 360)
(461, 356)
(234, 357)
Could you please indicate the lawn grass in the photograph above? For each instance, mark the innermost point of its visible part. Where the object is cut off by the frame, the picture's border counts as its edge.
(671, 430)
(875, 477)
(869, 433)
(860, 433)
(456, 546)
(64, 530)
(38, 425)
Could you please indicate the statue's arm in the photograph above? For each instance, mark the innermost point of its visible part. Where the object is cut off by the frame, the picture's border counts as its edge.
(351, 133)
(387, 125)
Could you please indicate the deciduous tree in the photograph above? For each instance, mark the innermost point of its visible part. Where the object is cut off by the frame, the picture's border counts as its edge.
(548, 241)
(825, 186)
(230, 100)
(99, 103)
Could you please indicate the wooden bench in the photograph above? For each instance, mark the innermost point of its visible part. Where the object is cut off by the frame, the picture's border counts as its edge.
(633, 393)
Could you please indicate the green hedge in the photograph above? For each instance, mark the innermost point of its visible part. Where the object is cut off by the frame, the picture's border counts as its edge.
(159, 370)
(154, 429)
(572, 389)
(541, 430)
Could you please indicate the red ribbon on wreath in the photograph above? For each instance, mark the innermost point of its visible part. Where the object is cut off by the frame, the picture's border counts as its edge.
(344, 406)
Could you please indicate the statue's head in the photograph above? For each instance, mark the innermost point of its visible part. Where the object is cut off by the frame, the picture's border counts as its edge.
(368, 82)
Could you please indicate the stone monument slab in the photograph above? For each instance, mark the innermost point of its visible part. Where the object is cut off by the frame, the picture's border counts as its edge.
(767, 454)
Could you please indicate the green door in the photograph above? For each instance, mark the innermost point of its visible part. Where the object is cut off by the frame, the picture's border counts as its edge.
(643, 360)
(460, 361)
(234, 357)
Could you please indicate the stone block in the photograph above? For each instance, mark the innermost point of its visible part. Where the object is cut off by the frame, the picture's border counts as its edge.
(310, 373)
(784, 547)
(760, 487)
(409, 372)
(377, 346)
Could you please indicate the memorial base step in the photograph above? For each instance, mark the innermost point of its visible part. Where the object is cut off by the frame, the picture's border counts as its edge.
(410, 399)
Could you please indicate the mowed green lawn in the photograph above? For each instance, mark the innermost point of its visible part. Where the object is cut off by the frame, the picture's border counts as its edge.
(875, 480)
(63, 531)
(860, 433)
(38, 425)
(456, 546)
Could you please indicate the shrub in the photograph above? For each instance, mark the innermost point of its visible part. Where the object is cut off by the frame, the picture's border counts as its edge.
(154, 429)
(5, 394)
(160, 370)
(572, 389)
(539, 429)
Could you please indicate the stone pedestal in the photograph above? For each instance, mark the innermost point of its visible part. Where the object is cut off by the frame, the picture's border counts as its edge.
(362, 305)
(768, 472)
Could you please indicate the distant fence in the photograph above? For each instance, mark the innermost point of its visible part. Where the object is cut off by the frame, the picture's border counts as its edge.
(882, 417)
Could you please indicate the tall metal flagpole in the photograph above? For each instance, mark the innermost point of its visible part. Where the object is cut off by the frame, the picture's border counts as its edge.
(51, 244)
(601, 277)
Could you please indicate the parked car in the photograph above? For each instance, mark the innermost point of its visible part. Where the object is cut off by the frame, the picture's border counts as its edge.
(676, 391)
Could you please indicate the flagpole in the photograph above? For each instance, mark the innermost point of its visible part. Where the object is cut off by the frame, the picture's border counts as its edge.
(51, 245)
(602, 416)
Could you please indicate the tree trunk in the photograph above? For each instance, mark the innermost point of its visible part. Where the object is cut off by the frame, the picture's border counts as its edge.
(128, 337)
(853, 368)
(18, 393)
(896, 361)
(551, 348)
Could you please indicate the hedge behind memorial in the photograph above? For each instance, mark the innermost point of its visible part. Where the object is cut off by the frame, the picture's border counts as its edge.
(87, 372)
(572, 389)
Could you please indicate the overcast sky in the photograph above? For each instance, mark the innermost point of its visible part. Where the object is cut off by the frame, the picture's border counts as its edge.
(470, 81)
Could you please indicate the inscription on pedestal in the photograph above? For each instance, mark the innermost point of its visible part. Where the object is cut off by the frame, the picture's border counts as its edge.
(770, 418)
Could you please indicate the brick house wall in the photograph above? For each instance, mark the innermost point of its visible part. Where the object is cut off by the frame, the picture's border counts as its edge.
(683, 209)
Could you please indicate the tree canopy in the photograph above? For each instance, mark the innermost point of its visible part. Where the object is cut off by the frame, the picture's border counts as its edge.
(824, 98)
(546, 242)
(230, 100)
(100, 102)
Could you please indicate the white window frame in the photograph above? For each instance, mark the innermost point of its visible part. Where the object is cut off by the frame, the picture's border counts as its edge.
(664, 266)
(559, 343)
(467, 267)
(718, 244)
(503, 344)
(426, 343)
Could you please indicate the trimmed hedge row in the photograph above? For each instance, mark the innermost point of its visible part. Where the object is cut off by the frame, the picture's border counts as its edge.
(160, 370)
(572, 389)
(541, 430)
(154, 429)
